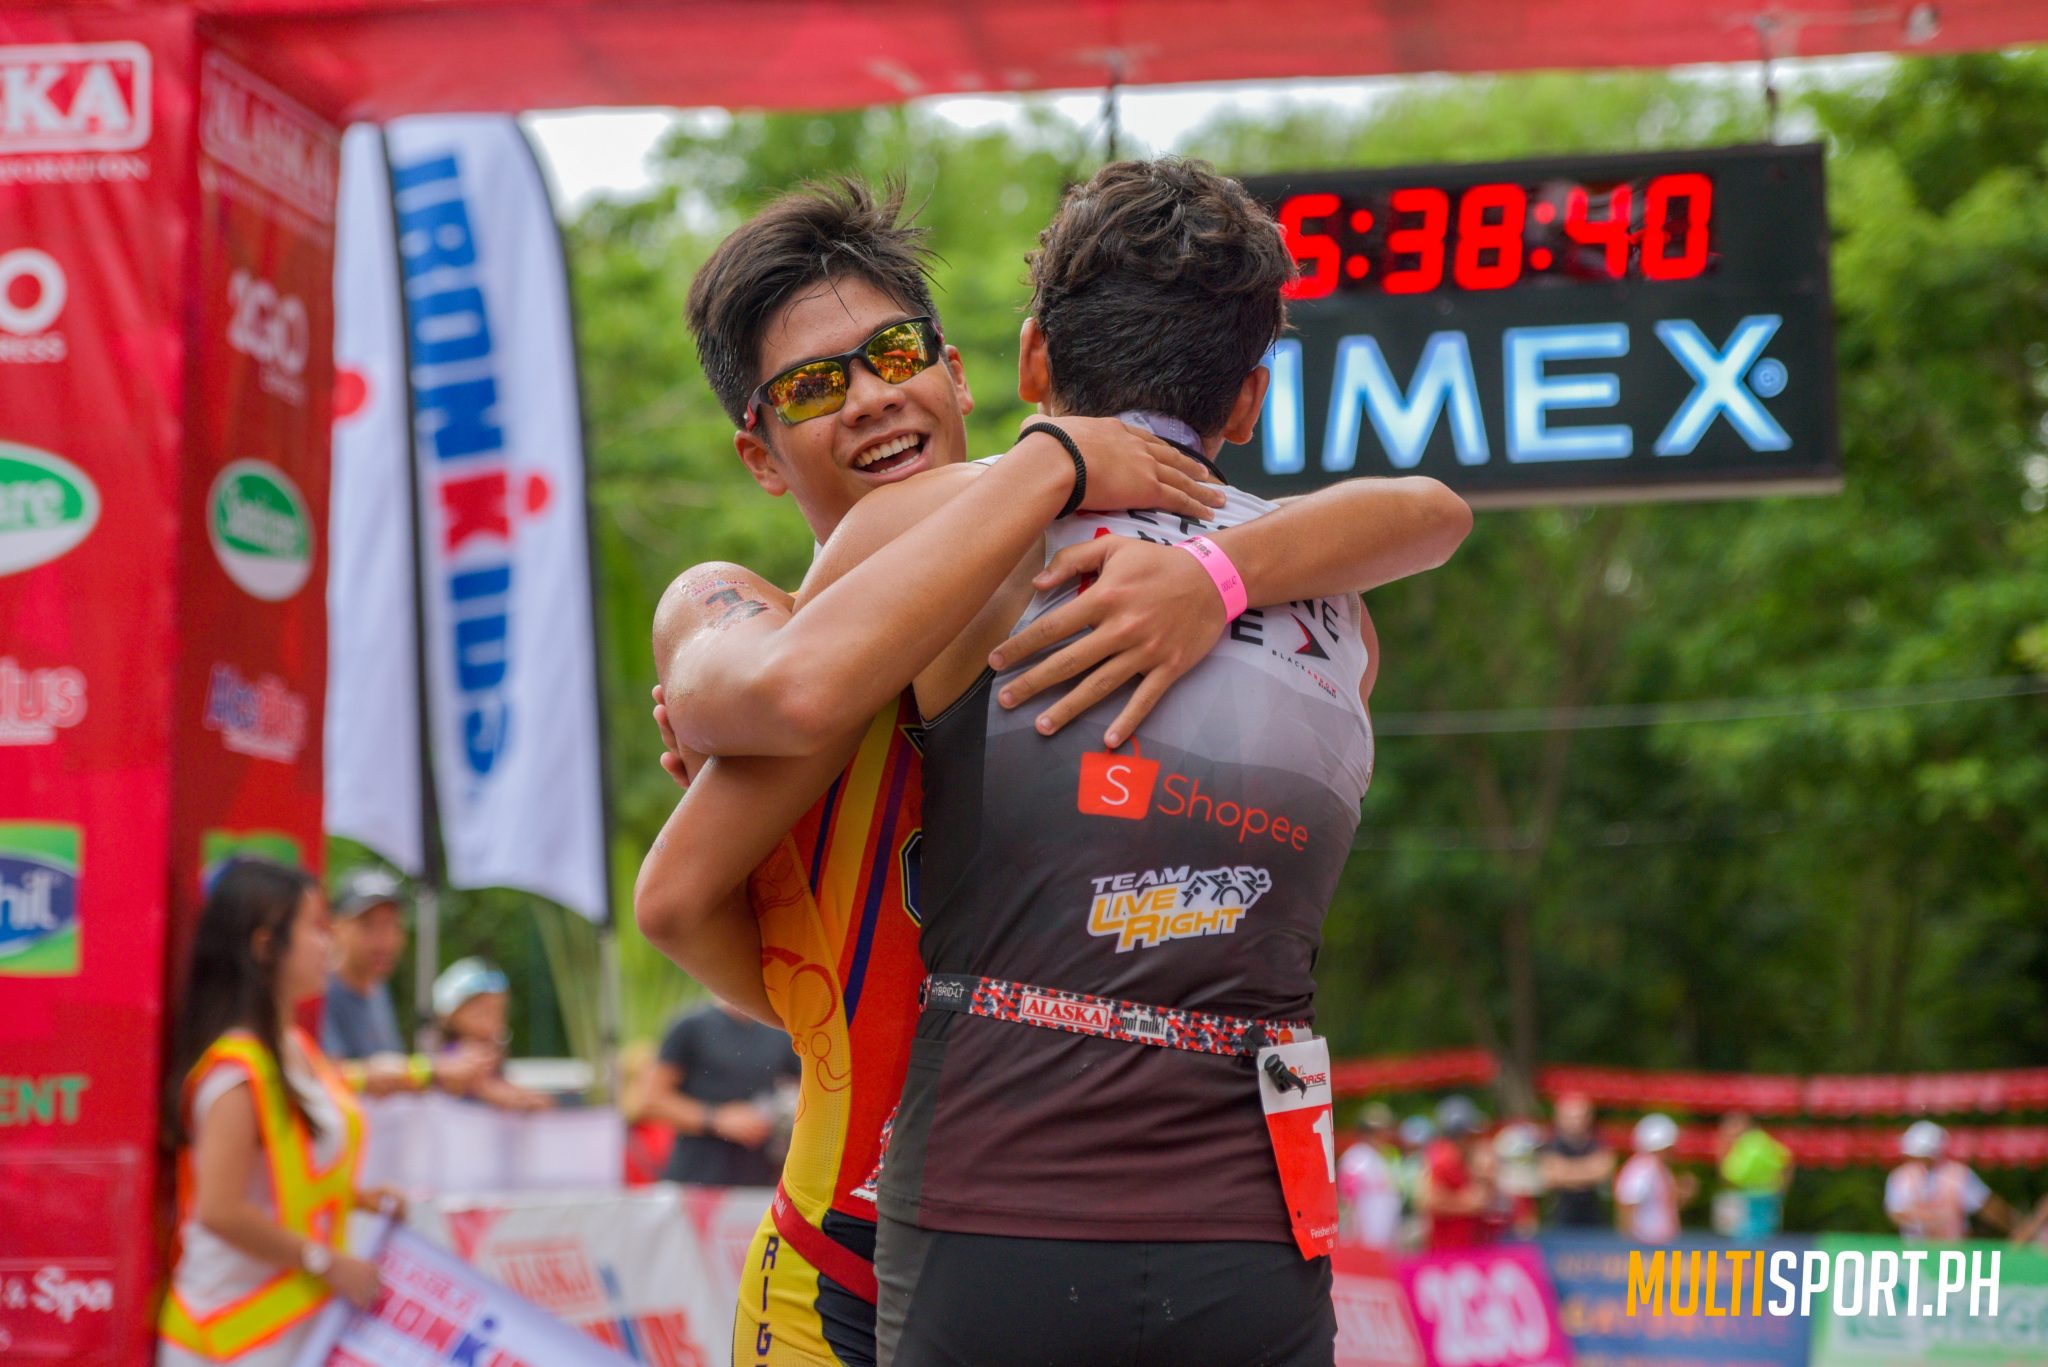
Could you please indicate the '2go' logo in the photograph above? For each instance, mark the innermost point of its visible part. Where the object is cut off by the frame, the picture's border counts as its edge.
(1477, 1315)
(268, 327)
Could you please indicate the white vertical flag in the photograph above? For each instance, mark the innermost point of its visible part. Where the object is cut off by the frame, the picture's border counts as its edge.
(511, 669)
(373, 725)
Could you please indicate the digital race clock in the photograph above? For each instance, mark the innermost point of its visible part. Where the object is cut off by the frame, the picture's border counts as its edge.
(1653, 324)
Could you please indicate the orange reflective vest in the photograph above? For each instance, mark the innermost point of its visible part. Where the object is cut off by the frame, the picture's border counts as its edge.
(310, 1201)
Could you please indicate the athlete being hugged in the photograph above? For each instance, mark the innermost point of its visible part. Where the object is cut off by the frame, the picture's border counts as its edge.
(806, 704)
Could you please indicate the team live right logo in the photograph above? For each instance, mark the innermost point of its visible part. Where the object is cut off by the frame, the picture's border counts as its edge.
(39, 867)
(33, 289)
(270, 328)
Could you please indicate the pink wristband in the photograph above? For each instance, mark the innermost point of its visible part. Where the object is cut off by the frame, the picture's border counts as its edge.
(1229, 582)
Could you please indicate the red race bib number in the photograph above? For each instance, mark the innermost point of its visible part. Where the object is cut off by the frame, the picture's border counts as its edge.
(1294, 1090)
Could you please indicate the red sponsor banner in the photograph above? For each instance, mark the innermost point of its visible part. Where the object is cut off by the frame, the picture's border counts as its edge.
(1642, 1089)
(1486, 1307)
(1838, 1146)
(1413, 1072)
(252, 662)
(1786, 1094)
(95, 112)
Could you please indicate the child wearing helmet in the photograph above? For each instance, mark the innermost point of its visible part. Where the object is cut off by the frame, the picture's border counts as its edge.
(472, 1005)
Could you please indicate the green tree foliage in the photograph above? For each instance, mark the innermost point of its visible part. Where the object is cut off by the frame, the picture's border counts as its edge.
(1830, 888)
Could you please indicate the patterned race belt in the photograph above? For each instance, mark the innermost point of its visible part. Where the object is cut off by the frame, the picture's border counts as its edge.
(1108, 1017)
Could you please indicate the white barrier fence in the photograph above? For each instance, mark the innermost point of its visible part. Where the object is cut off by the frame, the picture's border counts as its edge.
(653, 1272)
(445, 1147)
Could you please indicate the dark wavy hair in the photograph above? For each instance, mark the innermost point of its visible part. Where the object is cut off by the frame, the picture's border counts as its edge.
(229, 986)
(1157, 285)
(830, 230)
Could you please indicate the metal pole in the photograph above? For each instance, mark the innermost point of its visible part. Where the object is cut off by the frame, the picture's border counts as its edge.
(427, 902)
(610, 1013)
(426, 950)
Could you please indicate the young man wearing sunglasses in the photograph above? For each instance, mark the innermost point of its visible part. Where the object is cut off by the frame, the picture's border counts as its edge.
(836, 896)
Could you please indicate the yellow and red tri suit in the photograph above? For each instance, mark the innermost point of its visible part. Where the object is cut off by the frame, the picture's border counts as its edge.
(837, 903)
(309, 1200)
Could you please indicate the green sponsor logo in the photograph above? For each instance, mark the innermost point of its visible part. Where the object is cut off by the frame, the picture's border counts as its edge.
(47, 1099)
(216, 848)
(261, 530)
(47, 506)
(39, 867)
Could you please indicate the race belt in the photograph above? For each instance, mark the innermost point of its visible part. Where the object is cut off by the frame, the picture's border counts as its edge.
(1078, 1013)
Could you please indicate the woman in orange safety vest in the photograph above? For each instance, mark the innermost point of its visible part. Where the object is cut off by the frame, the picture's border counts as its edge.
(268, 1136)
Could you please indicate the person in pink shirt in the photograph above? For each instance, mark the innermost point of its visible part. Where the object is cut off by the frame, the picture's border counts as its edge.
(1647, 1194)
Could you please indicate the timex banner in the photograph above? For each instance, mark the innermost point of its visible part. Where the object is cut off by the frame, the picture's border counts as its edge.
(1646, 325)
(497, 500)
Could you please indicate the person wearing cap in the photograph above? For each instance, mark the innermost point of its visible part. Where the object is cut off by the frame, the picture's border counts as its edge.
(1452, 1195)
(1932, 1196)
(1647, 1194)
(358, 1025)
(1371, 1197)
(472, 1005)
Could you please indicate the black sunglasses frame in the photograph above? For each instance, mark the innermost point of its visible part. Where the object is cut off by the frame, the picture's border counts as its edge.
(846, 359)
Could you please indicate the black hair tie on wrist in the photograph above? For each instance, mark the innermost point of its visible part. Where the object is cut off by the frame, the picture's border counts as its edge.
(1059, 435)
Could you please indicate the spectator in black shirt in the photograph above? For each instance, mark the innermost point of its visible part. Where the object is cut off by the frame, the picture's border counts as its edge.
(715, 1084)
(1577, 1164)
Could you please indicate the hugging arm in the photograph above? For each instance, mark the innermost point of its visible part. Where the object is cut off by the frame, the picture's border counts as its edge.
(744, 677)
(1143, 616)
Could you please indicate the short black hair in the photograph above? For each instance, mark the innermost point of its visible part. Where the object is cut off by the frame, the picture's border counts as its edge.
(1157, 286)
(828, 230)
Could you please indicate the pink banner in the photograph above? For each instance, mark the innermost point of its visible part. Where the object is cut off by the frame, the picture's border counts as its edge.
(1486, 1307)
(1374, 1328)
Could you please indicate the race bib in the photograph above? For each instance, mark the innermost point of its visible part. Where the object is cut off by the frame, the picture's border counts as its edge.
(1294, 1090)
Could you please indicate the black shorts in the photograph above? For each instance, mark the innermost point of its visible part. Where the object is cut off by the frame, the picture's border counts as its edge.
(979, 1300)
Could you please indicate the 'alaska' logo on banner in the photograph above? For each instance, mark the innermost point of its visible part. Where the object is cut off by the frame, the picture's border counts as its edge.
(74, 97)
(264, 720)
(47, 506)
(474, 498)
(39, 866)
(261, 530)
(250, 127)
(32, 294)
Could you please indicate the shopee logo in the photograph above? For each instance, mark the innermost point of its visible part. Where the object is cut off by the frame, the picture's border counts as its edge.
(1117, 785)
